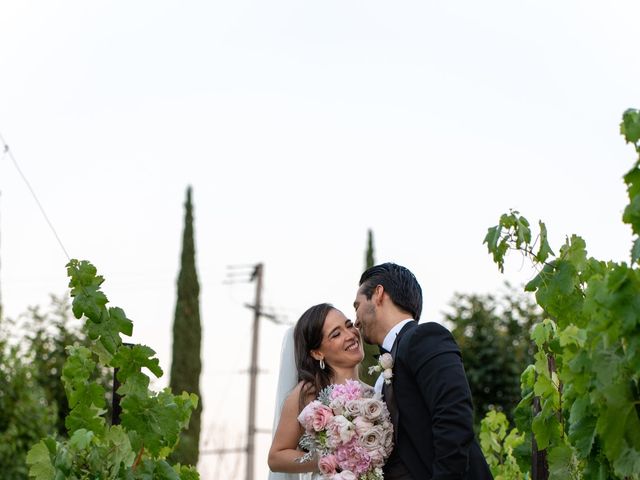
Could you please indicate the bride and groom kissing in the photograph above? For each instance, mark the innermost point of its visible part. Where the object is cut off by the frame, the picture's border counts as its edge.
(424, 386)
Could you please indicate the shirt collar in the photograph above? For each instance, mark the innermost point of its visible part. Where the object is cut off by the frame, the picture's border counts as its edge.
(387, 343)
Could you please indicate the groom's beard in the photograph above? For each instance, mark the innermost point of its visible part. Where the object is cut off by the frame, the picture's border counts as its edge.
(366, 324)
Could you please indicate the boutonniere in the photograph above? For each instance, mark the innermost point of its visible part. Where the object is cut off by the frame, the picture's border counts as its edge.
(385, 365)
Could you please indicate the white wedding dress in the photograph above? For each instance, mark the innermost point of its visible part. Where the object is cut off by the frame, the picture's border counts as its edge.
(287, 379)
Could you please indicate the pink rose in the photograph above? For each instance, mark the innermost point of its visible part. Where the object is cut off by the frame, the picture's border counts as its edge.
(321, 417)
(308, 414)
(328, 465)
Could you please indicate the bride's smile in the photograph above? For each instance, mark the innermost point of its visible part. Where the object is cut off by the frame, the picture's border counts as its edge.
(341, 345)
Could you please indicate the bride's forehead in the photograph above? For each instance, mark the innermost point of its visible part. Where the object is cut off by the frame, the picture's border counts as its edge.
(334, 318)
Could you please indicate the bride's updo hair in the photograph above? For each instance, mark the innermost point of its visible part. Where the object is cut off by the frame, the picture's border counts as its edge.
(307, 336)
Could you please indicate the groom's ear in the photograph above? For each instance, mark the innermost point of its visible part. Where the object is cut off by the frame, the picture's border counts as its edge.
(378, 294)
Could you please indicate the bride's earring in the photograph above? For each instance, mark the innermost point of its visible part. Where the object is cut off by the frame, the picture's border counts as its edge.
(322, 363)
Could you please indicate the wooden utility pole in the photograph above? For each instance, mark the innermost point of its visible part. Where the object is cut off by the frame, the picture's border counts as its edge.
(253, 371)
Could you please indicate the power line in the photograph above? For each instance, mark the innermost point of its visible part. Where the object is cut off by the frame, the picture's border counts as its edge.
(7, 151)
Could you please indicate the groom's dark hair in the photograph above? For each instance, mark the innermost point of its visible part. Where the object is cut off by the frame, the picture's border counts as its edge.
(401, 285)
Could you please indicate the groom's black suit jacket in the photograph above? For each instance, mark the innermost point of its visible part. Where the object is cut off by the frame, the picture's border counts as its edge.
(435, 425)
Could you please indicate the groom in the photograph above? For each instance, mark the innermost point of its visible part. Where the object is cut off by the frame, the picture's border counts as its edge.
(428, 396)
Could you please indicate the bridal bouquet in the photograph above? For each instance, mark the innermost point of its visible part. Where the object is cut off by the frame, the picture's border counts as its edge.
(350, 431)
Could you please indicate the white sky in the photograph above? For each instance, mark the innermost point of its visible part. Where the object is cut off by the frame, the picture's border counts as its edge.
(299, 125)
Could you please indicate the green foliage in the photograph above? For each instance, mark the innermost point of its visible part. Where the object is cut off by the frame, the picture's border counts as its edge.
(187, 333)
(498, 445)
(586, 370)
(25, 414)
(150, 421)
(370, 351)
(33, 402)
(48, 334)
(492, 332)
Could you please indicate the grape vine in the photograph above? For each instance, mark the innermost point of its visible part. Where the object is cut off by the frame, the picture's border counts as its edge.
(586, 375)
(150, 421)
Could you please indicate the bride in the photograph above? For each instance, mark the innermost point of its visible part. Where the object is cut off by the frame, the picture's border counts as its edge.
(328, 350)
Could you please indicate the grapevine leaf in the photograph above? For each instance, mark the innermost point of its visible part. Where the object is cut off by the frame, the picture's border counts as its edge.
(492, 237)
(545, 249)
(510, 220)
(81, 439)
(121, 321)
(572, 335)
(137, 384)
(158, 419)
(618, 277)
(523, 232)
(186, 472)
(120, 447)
(612, 422)
(541, 278)
(635, 251)
(523, 412)
(582, 429)
(539, 335)
(39, 461)
(560, 459)
(108, 334)
(630, 125)
(155, 470)
(131, 359)
(498, 250)
(87, 417)
(627, 464)
(542, 431)
(545, 388)
(631, 214)
(632, 179)
(528, 377)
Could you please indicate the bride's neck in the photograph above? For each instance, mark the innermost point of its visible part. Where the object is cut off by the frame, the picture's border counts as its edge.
(344, 374)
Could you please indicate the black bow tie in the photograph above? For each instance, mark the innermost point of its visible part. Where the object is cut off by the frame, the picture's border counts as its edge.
(383, 350)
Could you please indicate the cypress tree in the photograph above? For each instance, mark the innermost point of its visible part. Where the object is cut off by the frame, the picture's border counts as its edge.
(186, 364)
(369, 350)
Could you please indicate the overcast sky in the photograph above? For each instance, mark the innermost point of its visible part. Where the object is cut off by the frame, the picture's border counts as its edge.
(300, 125)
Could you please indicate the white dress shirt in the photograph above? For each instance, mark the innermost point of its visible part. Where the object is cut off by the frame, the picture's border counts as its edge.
(387, 344)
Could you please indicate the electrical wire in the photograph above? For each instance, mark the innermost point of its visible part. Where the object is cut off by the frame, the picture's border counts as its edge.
(7, 152)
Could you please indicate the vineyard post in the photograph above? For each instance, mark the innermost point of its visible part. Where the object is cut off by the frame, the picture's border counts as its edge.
(116, 409)
(539, 466)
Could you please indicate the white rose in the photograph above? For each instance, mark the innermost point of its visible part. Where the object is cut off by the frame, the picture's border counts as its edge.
(346, 475)
(337, 405)
(344, 428)
(387, 374)
(386, 360)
